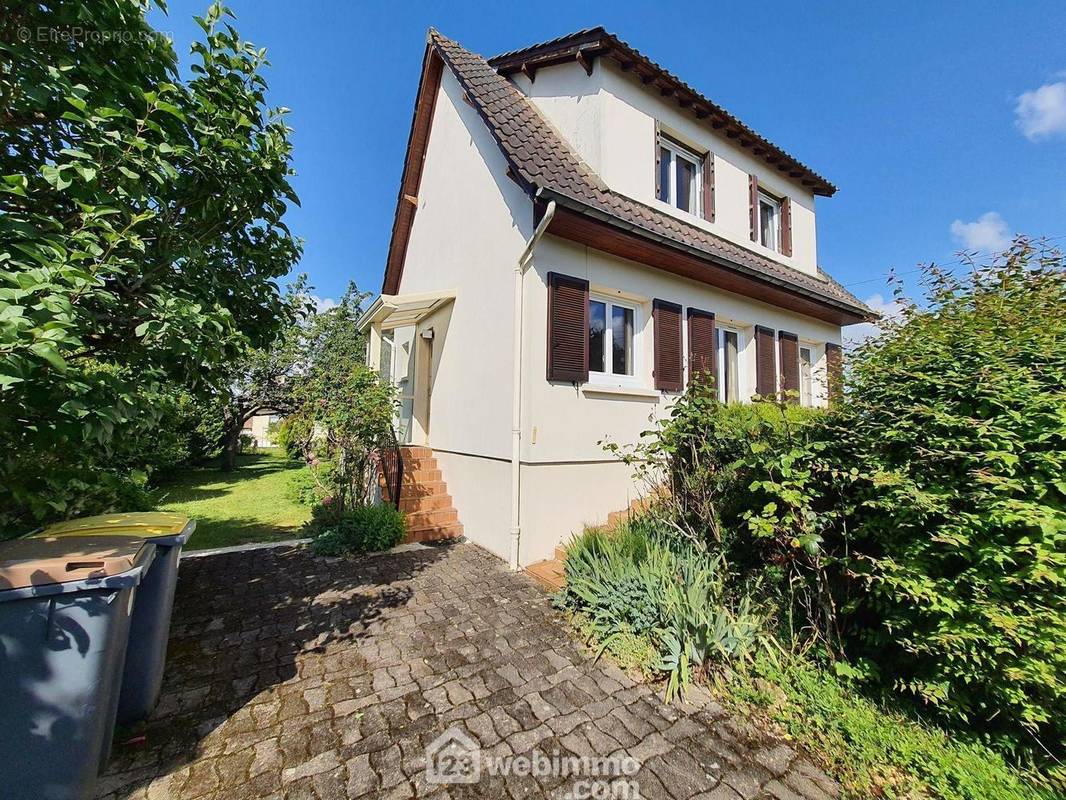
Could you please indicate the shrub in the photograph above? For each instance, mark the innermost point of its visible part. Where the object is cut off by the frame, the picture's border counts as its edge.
(306, 487)
(638, 583)
(918, 527)
(957, 415)
(358, 530)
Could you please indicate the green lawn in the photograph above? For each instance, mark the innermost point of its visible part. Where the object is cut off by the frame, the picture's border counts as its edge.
(250, 504)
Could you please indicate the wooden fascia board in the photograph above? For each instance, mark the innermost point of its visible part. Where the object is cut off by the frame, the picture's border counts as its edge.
(414, 160)
(577, 227)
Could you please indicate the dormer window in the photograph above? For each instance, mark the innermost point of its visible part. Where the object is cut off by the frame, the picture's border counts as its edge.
(680, 176)
(769, 221)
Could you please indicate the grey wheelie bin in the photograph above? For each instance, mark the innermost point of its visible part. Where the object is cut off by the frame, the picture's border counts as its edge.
(150, 626)
(65, 609)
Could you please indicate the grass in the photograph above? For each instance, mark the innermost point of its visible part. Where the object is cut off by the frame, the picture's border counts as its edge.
(250, 504)
(873, 750)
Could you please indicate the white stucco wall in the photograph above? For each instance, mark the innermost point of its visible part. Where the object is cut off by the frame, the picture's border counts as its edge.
(471, 225)
(609, 118)
(470, 228)
(568, 480)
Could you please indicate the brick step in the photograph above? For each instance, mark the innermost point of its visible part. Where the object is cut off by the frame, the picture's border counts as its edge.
(412, 464)
(428, 519)
(434, 533)
(416, 451)
(547, 574)
(560, 553)
(419, 491)
(421, 476)
(415, 505)
(415, 477)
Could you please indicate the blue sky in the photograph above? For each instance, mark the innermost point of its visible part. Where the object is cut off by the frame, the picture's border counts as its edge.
(943, 124)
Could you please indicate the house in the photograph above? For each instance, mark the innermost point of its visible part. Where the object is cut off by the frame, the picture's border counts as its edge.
(257, 427)
(579, 234)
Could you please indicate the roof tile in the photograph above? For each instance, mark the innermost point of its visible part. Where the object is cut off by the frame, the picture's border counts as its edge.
(542, 158)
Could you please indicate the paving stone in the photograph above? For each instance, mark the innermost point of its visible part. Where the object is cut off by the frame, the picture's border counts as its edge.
(292, 677)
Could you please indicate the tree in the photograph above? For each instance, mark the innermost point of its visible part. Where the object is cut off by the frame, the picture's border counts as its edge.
(343, 411)
(141, 231)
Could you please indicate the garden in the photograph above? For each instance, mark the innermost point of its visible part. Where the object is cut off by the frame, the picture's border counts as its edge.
(883, 580)
(147, 304)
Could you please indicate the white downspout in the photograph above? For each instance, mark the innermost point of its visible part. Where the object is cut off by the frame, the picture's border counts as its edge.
(516, 383)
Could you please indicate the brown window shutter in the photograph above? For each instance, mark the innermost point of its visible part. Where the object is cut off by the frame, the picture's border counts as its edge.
(708, 187)
(669, 375)
(834, 362)
(765, 371)
(658, 162)
(786, 226)
(788, 352)
(568, 328)
(702, 346)
(753, 206)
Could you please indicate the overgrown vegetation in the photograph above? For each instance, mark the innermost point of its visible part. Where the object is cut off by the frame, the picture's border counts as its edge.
(870, 747)
(141, 243)
(638, 589)
(363, 529)
(913, 535)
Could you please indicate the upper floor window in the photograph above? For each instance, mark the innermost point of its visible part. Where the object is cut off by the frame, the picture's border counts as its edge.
(769, 221)
(611, 338)
(680, 176)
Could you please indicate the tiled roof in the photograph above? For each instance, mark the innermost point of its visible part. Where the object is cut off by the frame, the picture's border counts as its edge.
(596, 42)
(541, 159)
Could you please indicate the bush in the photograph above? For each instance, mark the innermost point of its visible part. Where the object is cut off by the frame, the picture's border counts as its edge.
(306, 488)
(638, 584)
(957, 418)
(362, 529)
(918, 528)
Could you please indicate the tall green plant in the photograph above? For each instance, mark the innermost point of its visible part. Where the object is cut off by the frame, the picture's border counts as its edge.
(957, 413)
(141, 233)
(344, 413)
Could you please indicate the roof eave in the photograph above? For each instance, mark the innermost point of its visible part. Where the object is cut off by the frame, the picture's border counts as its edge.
(857, 313)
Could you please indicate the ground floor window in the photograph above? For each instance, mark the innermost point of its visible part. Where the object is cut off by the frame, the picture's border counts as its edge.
(612, 338)
(806, 363)
(728, 365)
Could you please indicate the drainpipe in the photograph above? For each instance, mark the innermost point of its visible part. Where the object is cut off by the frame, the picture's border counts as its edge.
(516, 382)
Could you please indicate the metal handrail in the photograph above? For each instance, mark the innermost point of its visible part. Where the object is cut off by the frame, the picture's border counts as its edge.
(390, 462)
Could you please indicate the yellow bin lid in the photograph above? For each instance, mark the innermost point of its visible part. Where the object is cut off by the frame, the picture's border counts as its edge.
(47, 560)
(147, 525)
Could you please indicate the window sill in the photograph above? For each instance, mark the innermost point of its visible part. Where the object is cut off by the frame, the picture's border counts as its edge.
(620, 391)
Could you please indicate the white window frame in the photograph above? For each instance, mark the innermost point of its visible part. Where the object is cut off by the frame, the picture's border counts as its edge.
(676, 150)
(720, 331)
(807, 400)
(610, 378)
(775, 204)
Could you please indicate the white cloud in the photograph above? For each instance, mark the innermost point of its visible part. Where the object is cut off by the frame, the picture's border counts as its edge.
(989, 233)
(323, 303)
(1041, 113)
(855, 335)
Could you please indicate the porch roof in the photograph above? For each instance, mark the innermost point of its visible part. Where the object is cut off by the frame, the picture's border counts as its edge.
(397, 310)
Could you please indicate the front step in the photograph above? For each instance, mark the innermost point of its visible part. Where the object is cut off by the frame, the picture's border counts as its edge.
(424, 499)
(547, 574)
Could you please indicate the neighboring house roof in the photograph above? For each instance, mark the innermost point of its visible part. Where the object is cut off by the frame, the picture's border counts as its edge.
(591, 43)
(542, 162)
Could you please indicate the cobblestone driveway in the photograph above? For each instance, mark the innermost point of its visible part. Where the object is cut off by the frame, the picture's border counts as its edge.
(291, 676)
